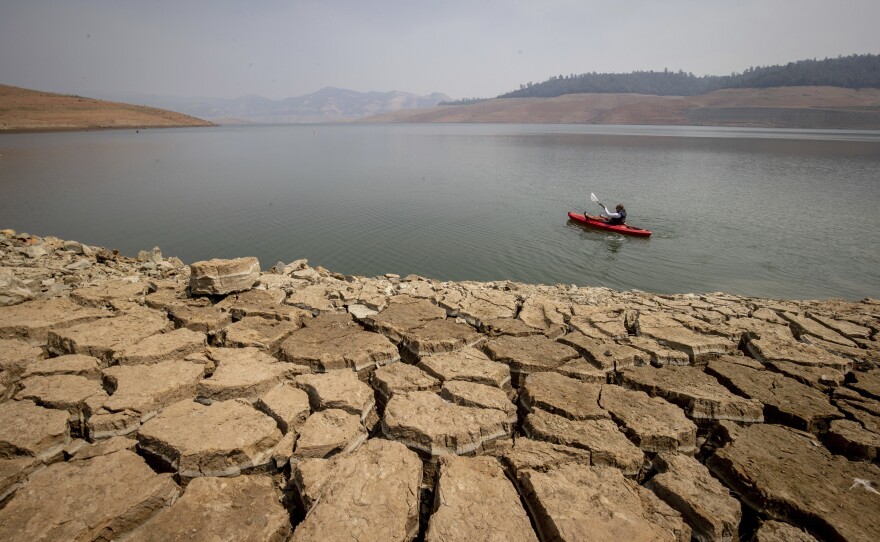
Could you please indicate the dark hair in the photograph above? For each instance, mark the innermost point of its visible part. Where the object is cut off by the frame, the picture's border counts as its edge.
(619, 207)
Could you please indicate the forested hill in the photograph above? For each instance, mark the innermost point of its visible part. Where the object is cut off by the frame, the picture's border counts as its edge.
(855, 71)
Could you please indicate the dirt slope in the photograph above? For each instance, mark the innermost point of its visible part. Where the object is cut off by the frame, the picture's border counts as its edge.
(24, 110)
(786, 107)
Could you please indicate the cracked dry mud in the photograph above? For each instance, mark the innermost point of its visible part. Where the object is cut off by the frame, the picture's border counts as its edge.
(144, 399)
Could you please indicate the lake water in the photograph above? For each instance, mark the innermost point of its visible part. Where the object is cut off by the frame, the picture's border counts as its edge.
(771, 213)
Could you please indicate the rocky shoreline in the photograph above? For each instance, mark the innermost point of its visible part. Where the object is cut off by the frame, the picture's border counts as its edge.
(146, 399)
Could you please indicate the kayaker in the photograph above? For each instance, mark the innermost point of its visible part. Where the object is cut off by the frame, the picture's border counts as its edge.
(616, 218)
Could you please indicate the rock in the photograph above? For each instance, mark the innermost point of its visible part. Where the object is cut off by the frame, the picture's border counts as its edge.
(785, 400)
(425, 422)
(583, 370)
(33, 252)
(850, 439)
(540, 456)
(471, 394)
(200, 319)
(515, 328)
(103, 338)
(801, 325)
(95, 499)
(113, 293)
(700, 395)
(340, 390)
(651, 423)
(371, 494)
(329, 432)
(706, 506)
(545, 315)
(607, 445)
(32, 321)
(785, 474)
(402, 378)
(335, 341)
(313, 298)
(699, 347)
(563, 396)
(12, 290)
(139, 392)
(16, 355)
(288, 406)
(475, 501)
(258, 332)
(850, 330)
(14, 473)
(770, 349)
(218, 277)
(776, 531)
(821, 378)
(176, 344)
(264, 304)
(242, 508)
(658, 354)
(73, 364)
(477, 305)
(469, 365)
(62, 392)
(402, 314)
(582, 503)
(245, 373)
(217, 440)
(29, 430)
(104, 447)
(867, 383)
(440, 336)
(606, 355)
(526, 355)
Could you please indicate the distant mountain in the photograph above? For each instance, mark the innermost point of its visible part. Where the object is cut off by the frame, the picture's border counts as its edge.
(326, 105)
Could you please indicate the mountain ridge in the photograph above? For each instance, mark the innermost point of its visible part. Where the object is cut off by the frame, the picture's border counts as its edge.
(327, 104)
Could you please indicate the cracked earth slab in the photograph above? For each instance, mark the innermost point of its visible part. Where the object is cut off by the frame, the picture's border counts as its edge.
(220, 439)
(95, 499)
(787, 475)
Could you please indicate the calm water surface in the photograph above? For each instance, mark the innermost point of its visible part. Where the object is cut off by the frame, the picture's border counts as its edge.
(774, 213)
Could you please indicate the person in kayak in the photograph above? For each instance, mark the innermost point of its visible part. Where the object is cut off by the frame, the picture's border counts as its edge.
(614, 219)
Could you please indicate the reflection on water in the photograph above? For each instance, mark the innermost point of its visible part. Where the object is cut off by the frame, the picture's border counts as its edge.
(777, 213)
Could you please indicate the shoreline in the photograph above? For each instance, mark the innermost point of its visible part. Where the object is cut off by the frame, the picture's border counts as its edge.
(298, 394)
(98, 128)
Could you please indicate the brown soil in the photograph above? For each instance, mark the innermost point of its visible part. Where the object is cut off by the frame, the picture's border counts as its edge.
(24, 110)
(786, 107)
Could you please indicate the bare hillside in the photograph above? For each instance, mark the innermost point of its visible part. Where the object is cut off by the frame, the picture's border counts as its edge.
(784, 107)
(24, 110)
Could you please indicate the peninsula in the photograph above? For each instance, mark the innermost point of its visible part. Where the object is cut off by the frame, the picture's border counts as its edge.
(24, 110)
(302, 404)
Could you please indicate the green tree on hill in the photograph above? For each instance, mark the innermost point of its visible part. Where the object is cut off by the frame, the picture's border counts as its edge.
(855, 71)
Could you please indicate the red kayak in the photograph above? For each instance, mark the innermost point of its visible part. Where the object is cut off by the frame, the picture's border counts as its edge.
(596, 222)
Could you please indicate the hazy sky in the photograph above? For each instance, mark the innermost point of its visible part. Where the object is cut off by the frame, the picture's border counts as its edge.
(473, 48)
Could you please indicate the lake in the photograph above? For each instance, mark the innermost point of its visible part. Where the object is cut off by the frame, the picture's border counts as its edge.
(757, 212)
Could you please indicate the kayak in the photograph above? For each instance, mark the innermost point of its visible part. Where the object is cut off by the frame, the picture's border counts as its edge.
(596, 222)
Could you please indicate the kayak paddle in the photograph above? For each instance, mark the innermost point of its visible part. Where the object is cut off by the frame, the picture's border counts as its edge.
(595, 199)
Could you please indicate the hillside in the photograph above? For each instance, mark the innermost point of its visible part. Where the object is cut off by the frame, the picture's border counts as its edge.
(785, 107)
(24, 110)
(854, 71)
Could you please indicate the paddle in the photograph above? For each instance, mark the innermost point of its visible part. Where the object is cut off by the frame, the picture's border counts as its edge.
(595, 200)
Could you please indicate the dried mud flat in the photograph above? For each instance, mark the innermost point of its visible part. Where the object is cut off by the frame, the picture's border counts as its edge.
(146, 399)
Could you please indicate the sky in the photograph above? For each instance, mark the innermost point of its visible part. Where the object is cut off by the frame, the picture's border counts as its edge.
(462, 48)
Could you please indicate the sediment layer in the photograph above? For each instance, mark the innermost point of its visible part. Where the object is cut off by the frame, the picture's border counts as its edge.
(313, 405)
